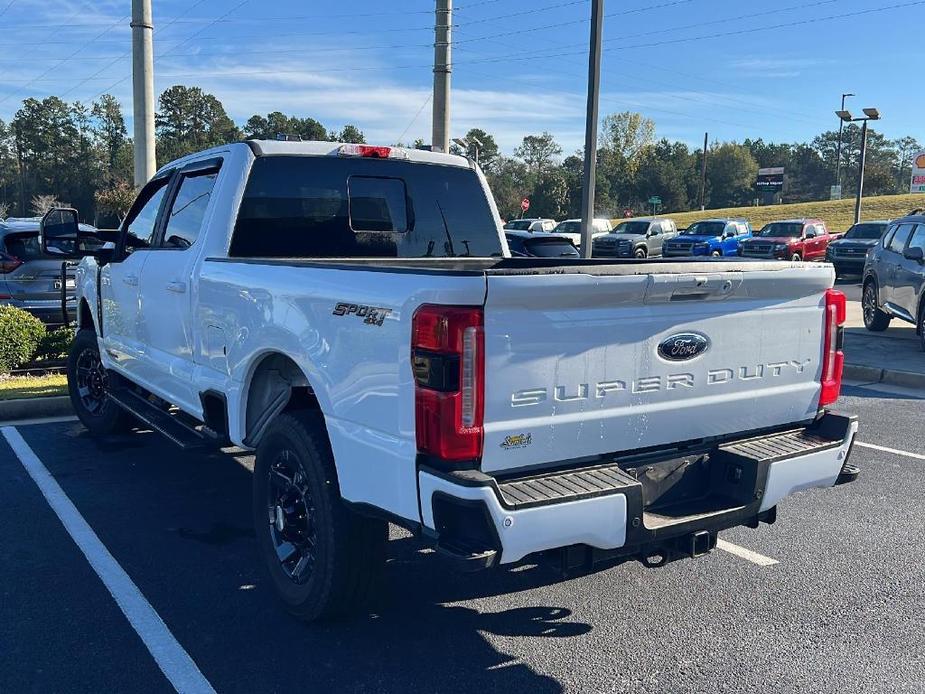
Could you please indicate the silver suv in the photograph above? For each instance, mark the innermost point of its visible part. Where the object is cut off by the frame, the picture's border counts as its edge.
(30, 279)
(894, 277)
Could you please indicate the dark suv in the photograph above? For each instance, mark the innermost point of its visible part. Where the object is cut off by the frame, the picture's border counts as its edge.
(894, 277)
(848, 253)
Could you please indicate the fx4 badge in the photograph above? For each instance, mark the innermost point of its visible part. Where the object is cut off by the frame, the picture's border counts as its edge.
(371, 315)
(683, 346)
(517, 441)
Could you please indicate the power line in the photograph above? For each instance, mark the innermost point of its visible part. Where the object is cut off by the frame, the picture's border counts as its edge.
(558, 25)
(532, 10)
(123, 56)
(61, 62)
(416, 116)
(9, 5)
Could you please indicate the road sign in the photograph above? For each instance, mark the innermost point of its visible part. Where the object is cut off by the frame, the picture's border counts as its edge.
(835, 193)
(655, 200)
(770, 178)
(525, 204)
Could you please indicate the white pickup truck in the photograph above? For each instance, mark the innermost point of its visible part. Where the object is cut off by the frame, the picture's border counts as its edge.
(351, 313)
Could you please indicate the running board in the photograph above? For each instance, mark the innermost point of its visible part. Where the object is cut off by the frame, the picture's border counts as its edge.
(186, 437)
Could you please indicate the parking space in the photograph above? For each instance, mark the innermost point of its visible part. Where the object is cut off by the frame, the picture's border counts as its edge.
(839, 611)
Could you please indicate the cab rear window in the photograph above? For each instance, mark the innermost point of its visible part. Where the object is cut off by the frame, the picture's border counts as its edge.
(331, 207)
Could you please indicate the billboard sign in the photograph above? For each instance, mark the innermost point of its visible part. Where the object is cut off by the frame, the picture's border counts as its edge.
(771, 178)
(918, 173)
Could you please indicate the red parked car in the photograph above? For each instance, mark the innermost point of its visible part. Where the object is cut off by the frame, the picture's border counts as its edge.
(790, 239)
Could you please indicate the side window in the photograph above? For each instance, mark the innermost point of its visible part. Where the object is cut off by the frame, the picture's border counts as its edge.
(918, 237)
(888, 236)
(141, 222)
(655, 228)
(898, 242)
(184, 221)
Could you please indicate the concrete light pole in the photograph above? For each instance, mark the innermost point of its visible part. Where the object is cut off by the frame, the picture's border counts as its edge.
(841, 127)
(591, 117)
(143, 90)
(443, 36)
(846, 117)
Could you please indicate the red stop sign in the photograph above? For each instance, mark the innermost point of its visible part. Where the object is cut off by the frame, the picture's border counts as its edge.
(525, 204)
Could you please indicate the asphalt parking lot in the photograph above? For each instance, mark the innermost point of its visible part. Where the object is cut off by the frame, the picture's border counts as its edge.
(830, 599)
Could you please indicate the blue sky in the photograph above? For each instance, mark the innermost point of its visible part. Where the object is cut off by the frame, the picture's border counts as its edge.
(735, 69)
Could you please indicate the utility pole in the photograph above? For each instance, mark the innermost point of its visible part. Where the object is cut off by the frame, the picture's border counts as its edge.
(443, 67)
(591, 118)
(841, 127)
(143, 90)
(703, 172)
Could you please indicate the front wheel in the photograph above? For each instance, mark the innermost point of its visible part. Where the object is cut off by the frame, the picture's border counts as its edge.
(875, 320)
(796, 258)
(717, 254)
(921, 326)
(88, 387)
(323, 559)
(641, 254)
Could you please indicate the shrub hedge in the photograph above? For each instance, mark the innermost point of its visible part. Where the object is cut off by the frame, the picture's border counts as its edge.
(20, 334)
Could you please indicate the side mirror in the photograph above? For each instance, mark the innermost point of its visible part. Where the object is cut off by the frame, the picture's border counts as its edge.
(915, 253)
(59, 231)
(810, 235)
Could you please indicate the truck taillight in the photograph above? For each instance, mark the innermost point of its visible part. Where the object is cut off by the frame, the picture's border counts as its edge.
(448, 361)
(371, 152)
(833, 359)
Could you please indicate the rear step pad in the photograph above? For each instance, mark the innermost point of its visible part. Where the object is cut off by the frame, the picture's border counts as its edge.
(571, 485)
(565, 486)
(160, 421)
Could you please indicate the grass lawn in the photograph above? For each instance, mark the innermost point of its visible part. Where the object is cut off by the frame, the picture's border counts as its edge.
(32, 386)
(838, 214)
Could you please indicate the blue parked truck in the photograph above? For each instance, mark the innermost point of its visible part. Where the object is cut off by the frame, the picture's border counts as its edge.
(713, 237)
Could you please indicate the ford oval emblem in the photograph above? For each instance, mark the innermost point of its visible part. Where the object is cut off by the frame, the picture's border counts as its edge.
(683, 346)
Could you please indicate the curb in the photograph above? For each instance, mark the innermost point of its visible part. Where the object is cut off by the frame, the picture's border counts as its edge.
(34, 408)
(871, 374)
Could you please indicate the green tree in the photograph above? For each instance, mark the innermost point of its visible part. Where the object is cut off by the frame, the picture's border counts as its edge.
(509, 182)
(488, 152)
(550, 196)
(731, 175)
(538, 152)
(627, 134)
(190, 120)
(267, 128)
(351, 133)
(112, 138)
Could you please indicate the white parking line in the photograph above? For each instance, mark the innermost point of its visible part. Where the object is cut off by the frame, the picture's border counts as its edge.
(167, 652)
(894, 451)
(745, 554)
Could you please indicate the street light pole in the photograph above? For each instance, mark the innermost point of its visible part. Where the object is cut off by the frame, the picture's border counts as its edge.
(860, 193)
(143, 90)
(594, 88)
(846, 117)
(841, 127)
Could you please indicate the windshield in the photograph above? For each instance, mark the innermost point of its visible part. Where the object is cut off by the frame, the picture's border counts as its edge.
(869, 232)
(631, 228)
(567, 228)
(781, 229)
(519, 225)
(552, 248)
(705, 229)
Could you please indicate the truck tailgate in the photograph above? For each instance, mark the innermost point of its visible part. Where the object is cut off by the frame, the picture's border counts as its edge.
(583, 364)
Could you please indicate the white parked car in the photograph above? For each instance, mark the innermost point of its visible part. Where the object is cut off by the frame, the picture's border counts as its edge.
(352, 314)
(572, 229)
(531, 225)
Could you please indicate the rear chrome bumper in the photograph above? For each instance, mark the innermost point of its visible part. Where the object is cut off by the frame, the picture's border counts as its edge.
(612, 506)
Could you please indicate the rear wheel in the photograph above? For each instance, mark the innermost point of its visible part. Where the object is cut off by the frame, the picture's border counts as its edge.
(875, 320)
(717, 254)
(88, 385)
(641, 253)
(796, 258)
(323, 559)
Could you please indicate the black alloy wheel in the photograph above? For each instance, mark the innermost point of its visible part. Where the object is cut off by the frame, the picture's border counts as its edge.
(291, 517)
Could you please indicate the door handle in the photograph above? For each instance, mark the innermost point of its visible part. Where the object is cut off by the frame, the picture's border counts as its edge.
(130, 280)
(175, 286)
